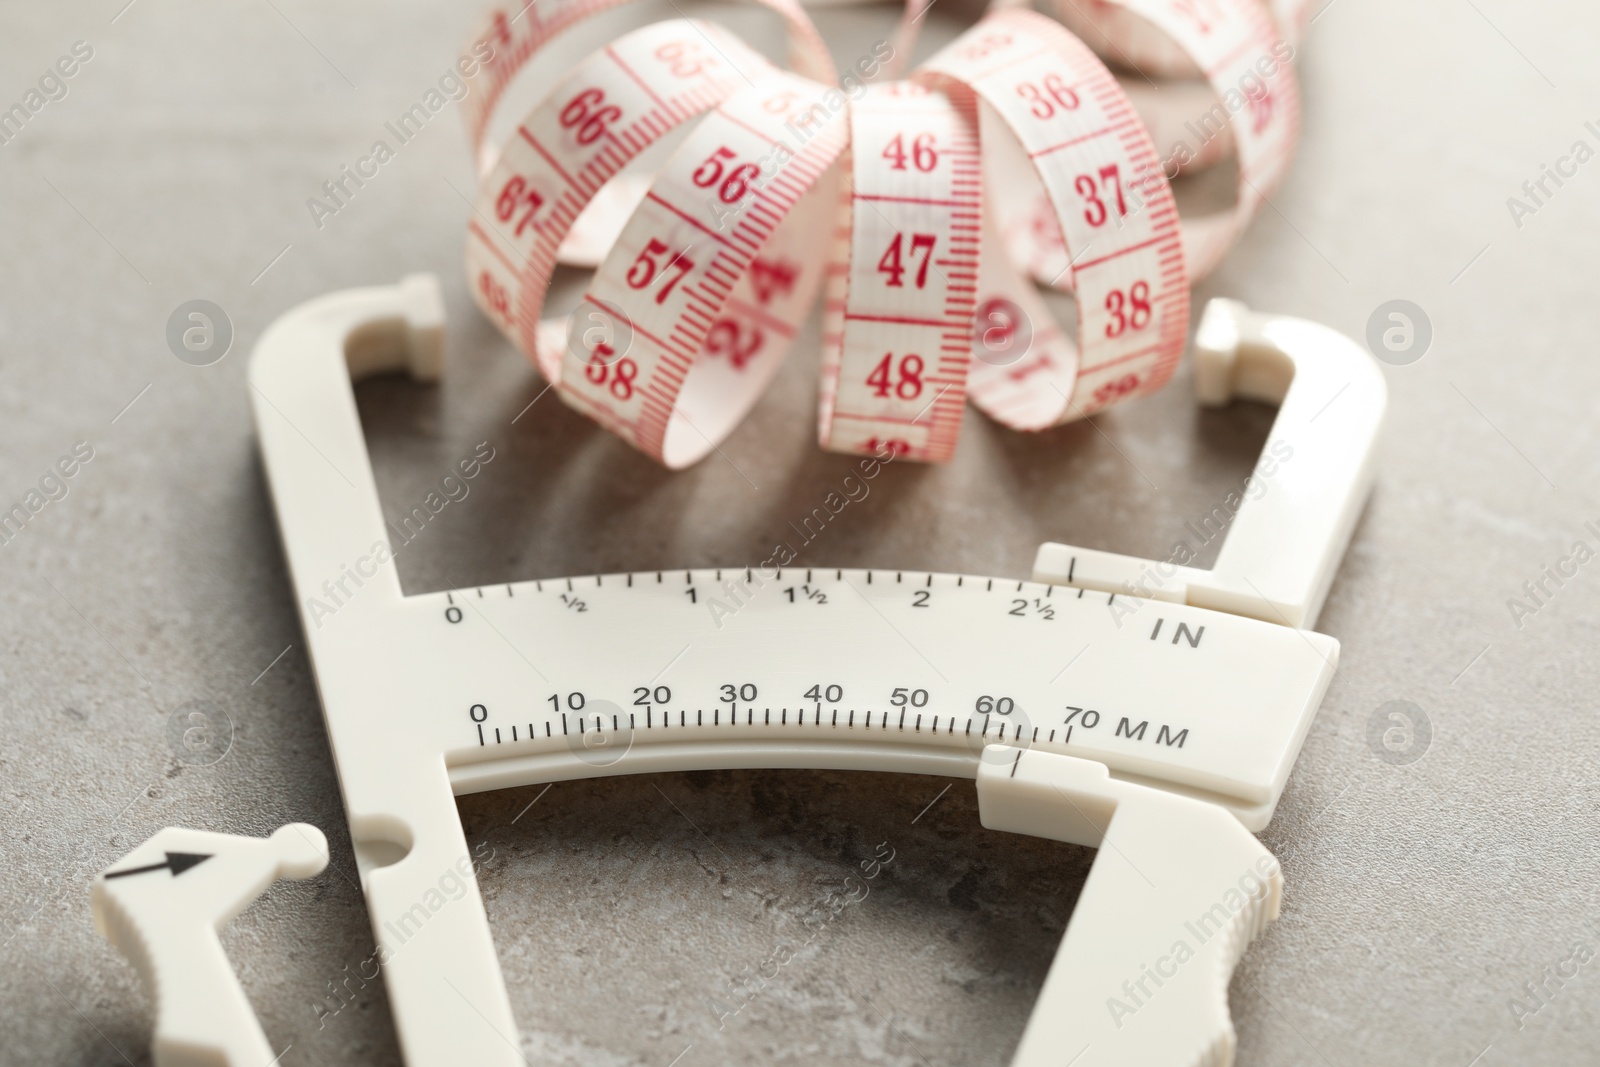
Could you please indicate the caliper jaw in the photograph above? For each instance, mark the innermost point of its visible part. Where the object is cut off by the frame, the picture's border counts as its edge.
(1293, 524)
(1178, 890)
(1179, 887)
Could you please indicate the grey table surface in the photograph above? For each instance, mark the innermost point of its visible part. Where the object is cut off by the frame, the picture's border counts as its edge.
(1421, 898)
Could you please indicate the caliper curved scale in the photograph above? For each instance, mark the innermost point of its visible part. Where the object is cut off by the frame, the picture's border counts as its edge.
(1107, 700)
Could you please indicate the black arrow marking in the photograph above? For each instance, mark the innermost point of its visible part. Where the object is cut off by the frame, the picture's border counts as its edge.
(176, 862)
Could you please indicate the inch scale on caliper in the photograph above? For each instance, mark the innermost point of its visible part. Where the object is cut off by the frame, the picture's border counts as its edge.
(923, 669)
(1162, 725)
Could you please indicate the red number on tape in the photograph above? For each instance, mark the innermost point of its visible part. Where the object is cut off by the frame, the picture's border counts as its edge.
(681, 60)
(647, 266)
(728, 338)
(1130, 310)
(517, 194)
(1109, 185)
(892, 265)
(1042, 103)
(735, 185)
(908, 386)
(494, 294)
(923, 156)
(769, 279)
(1115, 390)
(590, 115)
(619, 372)
(894, 446)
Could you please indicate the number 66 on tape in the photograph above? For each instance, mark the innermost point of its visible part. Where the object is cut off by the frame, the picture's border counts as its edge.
(1151, 708)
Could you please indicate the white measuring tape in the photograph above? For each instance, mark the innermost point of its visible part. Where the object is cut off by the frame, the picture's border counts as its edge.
(1014, 156)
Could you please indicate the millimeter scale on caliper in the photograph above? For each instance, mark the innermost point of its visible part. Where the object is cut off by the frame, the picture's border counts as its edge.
(1164, 720)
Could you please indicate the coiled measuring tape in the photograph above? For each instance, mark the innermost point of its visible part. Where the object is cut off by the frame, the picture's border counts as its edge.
(932, 207)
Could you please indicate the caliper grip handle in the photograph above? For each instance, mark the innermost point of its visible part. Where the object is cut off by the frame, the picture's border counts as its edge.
(1177, 892)
(162, 905)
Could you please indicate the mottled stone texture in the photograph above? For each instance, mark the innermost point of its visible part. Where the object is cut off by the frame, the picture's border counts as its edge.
(1419, 899)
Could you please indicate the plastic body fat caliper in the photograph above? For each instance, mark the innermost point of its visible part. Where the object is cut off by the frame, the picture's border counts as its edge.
(1144, 706)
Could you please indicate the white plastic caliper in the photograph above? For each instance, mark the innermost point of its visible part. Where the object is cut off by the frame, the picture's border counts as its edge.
(1145, 706)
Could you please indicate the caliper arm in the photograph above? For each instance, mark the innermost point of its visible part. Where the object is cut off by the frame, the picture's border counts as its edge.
(1178, 889)
(162, 905)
